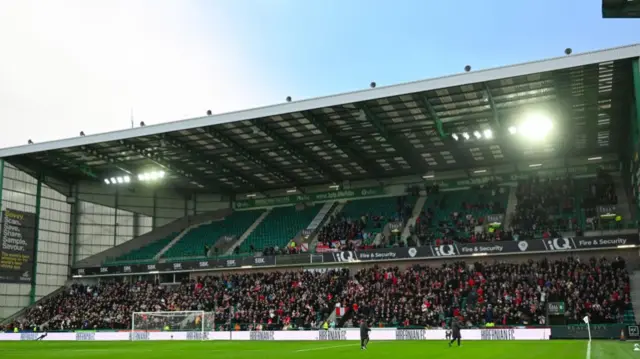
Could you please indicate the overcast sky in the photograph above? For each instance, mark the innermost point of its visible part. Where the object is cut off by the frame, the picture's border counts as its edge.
(73, 65)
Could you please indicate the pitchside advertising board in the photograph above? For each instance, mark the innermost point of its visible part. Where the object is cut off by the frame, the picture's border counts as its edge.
(565, 244)
(17, 238)
(598, 331)
(293, 335)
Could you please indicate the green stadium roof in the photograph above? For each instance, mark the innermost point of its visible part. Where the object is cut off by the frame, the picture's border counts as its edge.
(384, 132)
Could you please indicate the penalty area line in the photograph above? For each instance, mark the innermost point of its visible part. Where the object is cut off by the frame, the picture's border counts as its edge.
(329, 347)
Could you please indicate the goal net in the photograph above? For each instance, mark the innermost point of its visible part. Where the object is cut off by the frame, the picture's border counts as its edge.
(192, 321)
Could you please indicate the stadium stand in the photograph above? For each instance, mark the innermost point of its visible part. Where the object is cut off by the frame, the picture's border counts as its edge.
(455, 215)
(501, 293)
(359, 222)
(145, 253)
(278, 229)
(192, 244)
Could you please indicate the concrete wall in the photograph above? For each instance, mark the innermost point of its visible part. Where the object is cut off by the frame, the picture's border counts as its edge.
(19, 193)
(101, 227)
(162, 205)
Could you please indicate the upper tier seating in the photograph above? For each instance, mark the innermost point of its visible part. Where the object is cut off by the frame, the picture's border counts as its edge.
(193, 242)
(147, 252)
(363, 219)
(453, 215)
(280, 227)
(547, 207)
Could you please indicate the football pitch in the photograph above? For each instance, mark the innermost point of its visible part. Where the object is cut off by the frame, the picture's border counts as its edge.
(575, 349)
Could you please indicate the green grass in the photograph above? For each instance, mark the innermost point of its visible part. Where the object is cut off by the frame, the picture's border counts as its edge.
(559, 349)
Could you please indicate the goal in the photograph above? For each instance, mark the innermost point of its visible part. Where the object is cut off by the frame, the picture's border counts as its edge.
(191, 321)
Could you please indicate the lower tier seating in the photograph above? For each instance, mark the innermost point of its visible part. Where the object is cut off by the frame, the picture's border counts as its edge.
(479, 293)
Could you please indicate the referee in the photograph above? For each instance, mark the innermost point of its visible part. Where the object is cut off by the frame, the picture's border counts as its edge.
(364, 334)
(455, 331)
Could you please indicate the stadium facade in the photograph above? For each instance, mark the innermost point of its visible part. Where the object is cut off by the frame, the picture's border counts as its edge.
(78, 203)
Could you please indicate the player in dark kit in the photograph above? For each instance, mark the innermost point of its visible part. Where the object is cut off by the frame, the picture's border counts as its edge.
(364, 334)
(455, 331)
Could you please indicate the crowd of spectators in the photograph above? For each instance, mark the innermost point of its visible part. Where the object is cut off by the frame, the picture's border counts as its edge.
(548, 207)
(502, 293)
(600, 194)
(272, 300)
(348, 233)
(463, 224)
(545, 207)
(417, 296)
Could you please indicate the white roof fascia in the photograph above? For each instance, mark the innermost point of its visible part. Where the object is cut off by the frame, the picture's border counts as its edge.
(559, 63)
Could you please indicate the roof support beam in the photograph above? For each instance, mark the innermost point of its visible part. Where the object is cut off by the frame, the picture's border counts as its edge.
(434, 115)
(92, 151)
(28, 165)
(218, 166)
(84, 169)
(301, 154)
(280, 173)
(492, 103)
(401, 147)
(183, 171)
(345, 145)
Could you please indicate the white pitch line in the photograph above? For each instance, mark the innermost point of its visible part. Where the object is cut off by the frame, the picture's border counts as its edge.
(588, 356)
(331, 347)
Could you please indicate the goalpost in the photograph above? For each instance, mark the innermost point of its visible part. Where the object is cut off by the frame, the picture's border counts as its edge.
(187, 321)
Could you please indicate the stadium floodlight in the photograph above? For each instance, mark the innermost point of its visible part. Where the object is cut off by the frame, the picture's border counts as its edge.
(427, 176)
(455, 136)
(113, 180)
(479, 171)
(536, 126)
(120, 179)
(465, 135)
(127, 179)
(106, 180)
(513, 130)
(597, 158)
(533, 165)
(293, 190)
(151, 176)
(488, 134)
(477, 134)
(251, 195)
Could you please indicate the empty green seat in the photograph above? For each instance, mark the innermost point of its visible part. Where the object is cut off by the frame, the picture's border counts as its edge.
(193, 242)
(147, 252)
(279, 227)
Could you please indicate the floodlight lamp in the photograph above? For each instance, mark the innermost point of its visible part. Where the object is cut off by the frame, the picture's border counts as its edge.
(113, 180)
(536, 127)
(477, 134)
(454, 136)
(106, 180)
(127, 179)
(488, 134)
(119, 179)
(161, 174)
(513, 130)
(465, 135)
